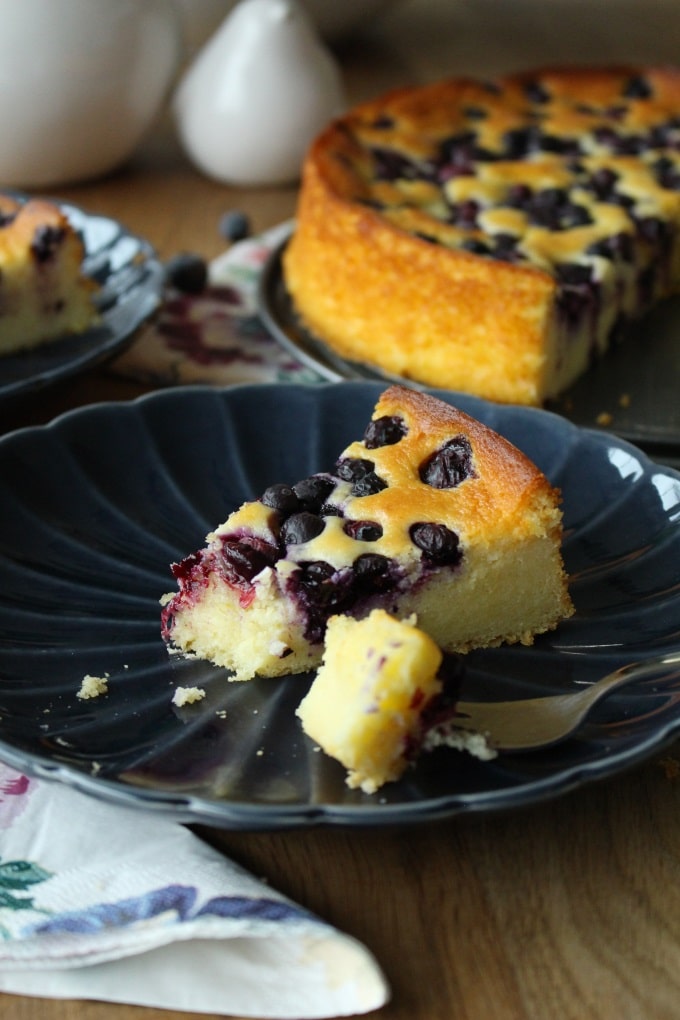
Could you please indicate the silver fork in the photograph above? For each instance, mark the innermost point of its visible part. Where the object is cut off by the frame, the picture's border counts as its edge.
(528, 724)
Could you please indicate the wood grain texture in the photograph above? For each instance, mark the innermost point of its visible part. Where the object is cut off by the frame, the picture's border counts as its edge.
(569, 910)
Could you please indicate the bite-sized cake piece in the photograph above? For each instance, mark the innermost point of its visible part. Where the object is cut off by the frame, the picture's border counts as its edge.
(492, 237)
(366, 703)
(44, 294)
(430, 513)
(384, 693)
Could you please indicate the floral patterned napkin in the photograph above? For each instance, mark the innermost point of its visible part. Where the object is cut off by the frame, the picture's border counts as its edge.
(104, 902)
(216, 336)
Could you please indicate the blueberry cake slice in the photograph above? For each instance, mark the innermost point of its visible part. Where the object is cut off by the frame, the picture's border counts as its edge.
(44, 294)
(430, 513)
(382, 687)
(492, 237)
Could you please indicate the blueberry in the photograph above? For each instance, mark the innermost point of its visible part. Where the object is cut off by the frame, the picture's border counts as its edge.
(464, 214)
(312, 492)
(475, 246)
(373, 573)
(573, 273)
(448, 466)
(385, 431)
(475, 113)
(45, 242)
(519, 196)
(383, 122)
(667, 173)
(603, 182)
(282, 498)
(518, 142)
(363, 531)
(637, 88)
(234, 225)
(243, 560)
(390, 165)
(536, 92)
(439, 544)
(187, 272)
(300, 528)
(368, 485)
(353, 468)
(616, 246)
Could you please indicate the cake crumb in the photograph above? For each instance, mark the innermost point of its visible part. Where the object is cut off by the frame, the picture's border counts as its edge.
(604, 418)
(93, 686)
(187, 695)
(453, 736)
(624, 400)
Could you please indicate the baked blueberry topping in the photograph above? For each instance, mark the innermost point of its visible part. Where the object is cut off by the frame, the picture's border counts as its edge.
(313, 492)
(552, 208)
(603, 182)
(368, 485)
(360, 472)
(573, 273)
(281, 497)
(667, 173)
(46, 241)
(351, 469)
(363, 531)
(475, 113)
(536, 92)
(616, 246)
(637, 88)
(440, 545)
(385, 431)
(373, 573)
(450, 465)
(390, 165)
(244, 559)
(301, 527)
(505, 247)
(475, 246)
(464, 214)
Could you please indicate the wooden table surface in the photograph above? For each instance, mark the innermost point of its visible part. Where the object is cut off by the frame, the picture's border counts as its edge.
(566, 910)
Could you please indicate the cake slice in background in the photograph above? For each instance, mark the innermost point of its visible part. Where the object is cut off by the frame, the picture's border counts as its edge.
(44, 294)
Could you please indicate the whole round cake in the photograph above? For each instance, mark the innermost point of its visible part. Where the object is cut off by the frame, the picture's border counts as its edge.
(492, 237)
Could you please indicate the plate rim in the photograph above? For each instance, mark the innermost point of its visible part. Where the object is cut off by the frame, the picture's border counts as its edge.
(107, 342)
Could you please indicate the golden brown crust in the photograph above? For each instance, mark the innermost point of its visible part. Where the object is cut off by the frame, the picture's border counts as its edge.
(365, 274)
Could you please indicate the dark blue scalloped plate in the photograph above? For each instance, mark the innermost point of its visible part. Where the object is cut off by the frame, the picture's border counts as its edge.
(95, 506)
(131, 280)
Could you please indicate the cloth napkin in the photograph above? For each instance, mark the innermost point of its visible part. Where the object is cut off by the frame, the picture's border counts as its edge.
(99, 901)
(104, 902)
(216, 337)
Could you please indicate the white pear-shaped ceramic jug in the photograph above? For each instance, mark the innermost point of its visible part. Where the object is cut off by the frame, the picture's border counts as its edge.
(256, 94)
